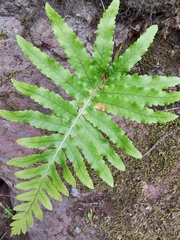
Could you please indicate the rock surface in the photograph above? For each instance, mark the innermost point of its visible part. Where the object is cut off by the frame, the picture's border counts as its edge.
(24, 18)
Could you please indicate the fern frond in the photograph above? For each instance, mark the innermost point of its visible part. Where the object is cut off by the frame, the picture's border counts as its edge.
(23, 162)
(131, 110)
(36, 191)
(133, 54)
(67, 175)
(104, 123)
(77, 160)
(42, 141)
(157, 82)
(46, 156)
(37, 119)
(47, 99)
(103, 46)
(53, 70)
(82, 129)
(140, 95)
(92, 155)
(77, 55)
(102, 146)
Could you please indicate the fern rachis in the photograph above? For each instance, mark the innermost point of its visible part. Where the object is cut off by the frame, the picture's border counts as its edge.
(98, 87)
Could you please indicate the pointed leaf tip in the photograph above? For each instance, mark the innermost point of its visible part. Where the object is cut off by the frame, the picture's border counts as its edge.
(19, 40)
(138, 155)
(48, 8)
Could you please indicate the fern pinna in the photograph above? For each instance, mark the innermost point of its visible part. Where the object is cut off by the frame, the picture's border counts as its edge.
(99, 87)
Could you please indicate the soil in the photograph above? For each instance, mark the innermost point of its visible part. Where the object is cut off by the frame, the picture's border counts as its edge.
(145, 201)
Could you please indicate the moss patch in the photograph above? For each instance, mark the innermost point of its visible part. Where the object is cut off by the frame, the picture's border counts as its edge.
(6, 97)
(144, 203)
(2, 35)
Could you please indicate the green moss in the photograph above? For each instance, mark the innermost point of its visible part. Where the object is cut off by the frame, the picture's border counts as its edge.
(5, 96)
(128, 217)
(8, 76)
(2, 35)
(22, 22)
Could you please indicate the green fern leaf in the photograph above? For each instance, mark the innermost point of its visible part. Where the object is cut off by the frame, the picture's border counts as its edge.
(141, 95)
(82, 130)
(37, 119)
(103, 46)
(78, 57)
(157, 82)
(75, 157)
(133, 54)
(53, 70)
(47, 99)
(104, 123)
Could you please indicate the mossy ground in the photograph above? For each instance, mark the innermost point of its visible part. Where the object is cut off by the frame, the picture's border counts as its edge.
(145, 200)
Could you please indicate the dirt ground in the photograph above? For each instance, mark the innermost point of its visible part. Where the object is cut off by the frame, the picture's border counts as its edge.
(145, 201)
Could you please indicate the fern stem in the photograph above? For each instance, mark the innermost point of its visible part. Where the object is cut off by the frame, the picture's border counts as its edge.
(60, 146)
(72, 126)
(76, 119)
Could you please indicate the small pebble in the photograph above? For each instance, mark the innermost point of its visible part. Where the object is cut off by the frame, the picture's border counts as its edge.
(74, 192)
